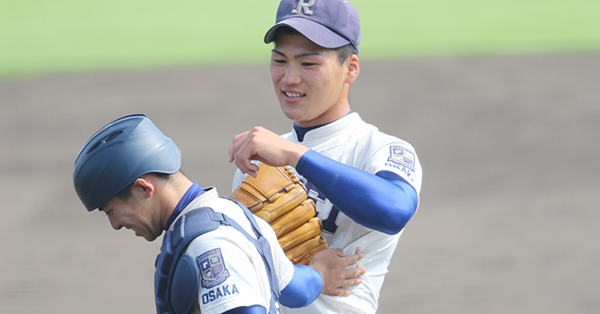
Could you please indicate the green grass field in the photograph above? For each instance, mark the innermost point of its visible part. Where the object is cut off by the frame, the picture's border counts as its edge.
(47, 36)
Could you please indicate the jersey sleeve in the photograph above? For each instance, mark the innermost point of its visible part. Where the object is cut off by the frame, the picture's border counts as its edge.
(229, 274)
(399, 158)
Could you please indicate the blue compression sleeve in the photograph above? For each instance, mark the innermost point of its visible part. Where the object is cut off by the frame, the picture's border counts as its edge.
(305, 287)
(254, 309)
(383, 202)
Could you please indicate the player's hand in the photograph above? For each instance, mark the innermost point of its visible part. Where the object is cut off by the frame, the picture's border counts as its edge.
(265, 146)
(332, 264)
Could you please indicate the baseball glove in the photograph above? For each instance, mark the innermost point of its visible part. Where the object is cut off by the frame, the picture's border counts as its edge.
(277, 196)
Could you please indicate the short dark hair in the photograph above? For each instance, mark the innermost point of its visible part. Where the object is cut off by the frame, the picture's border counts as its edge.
(343, 52)
(126, 193)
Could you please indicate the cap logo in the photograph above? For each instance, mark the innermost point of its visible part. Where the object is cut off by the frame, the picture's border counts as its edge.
(302, 5)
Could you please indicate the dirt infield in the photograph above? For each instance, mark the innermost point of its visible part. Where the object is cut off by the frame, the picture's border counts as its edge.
(509, 206)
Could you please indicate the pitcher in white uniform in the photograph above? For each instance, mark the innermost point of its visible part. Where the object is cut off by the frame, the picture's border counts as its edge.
(365, 183)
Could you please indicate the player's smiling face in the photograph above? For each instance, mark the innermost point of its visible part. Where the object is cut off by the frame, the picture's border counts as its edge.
(132, 214)
(310, 83)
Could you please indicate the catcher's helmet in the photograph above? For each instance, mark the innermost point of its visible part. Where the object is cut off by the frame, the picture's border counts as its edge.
(118, 154)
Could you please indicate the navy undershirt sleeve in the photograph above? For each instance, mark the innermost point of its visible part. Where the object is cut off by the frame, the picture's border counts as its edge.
(303, 289)
(384, 202)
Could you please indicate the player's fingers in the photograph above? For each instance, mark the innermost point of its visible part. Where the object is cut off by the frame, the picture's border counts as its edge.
(240, 162)
(253, 170)
(243, 157)
(251, 146)
(230, 154)
(338, 252)
(246, 166)
(353, 259)
(349, 282)
(355, 272)
(239, 136)
(235, 146)
(340, 292)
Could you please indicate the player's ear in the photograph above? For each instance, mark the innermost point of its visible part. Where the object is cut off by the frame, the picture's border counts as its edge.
(352, 68)
(143, 185)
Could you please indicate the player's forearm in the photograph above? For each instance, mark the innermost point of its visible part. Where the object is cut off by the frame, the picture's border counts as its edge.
(384, 203)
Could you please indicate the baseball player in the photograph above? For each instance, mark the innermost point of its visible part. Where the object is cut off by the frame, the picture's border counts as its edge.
(365, 183)
(215, 257)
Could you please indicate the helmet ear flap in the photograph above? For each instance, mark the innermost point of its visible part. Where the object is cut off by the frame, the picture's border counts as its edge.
(118, 154)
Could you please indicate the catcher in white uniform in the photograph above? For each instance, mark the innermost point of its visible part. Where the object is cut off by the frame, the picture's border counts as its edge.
(215, 256)
(365, 183)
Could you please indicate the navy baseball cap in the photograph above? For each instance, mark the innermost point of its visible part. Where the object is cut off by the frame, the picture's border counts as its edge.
(327, 23)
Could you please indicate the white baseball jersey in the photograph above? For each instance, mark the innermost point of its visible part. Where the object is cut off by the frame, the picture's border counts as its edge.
(354, 142)
(237, 275)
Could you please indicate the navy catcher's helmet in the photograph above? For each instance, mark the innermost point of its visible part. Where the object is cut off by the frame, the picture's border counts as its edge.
(118, 154)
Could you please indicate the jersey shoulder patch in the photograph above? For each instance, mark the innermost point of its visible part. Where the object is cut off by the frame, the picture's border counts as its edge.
(402, 156)
(212, 267)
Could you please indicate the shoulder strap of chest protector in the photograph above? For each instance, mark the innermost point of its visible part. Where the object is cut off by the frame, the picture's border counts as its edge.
(177, 278)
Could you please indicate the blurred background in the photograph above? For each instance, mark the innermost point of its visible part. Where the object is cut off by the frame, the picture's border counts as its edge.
(42, 36)
(500, 100)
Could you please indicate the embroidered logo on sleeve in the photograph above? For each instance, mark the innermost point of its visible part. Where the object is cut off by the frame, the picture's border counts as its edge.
(402, 156)
(212, 268)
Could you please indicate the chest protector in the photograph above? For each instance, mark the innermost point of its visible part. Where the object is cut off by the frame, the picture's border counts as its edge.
(176, 279)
